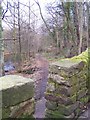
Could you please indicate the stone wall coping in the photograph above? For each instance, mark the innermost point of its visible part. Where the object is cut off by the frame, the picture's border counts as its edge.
(66, 63)
(10, 81)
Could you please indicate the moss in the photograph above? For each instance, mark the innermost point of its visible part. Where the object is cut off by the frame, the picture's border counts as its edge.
(77, 112)
(84, 56)
(27, 116)
(19, 110)
(62, 109)
(73, 80)
(81, 93)
(50, 81)
(54, 114)
(17, 95)
(73, 98)
(51, 105)
(74, 89)
(84, 99)
(6, 112)
(82, 85)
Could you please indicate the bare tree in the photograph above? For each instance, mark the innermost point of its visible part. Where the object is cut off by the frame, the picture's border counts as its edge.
(88, 24)
(1, 42)
(76, 22)
(1, 45)
(42, 15)
(19, 36)
(22, 27)
(80, 26)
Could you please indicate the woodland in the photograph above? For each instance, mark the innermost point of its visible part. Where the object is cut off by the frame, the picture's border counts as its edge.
(63, 33)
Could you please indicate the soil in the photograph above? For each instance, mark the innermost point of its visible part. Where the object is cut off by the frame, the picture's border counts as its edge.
(41, 82)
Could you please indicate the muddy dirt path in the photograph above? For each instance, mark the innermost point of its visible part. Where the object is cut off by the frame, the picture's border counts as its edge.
(40, 86)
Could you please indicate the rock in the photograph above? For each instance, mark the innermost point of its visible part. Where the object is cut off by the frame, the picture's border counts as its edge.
(53, 114)
(51, 105)
(66, 68)
(81, 93)
(16, 89)
(18, 110)
(70, 116)
(23, 108)
(59, 99)
(73, 107)
(84, 99)
(63, 90)
(51, 87)
(69, 109)
(6, 112)
(78, 112)
(50, 97)
(82, 85)
(58, 79)
(73, 90)
(74, 98)
(63, 110)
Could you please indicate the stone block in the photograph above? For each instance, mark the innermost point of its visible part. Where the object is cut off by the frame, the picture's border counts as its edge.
(59, 99)
(82, 85)
(23, 108)
(74, 90)
(70, 116)
(51, 105)
(63, 109)
(84, 99)
(78, 112)
(67, 91)
(16, 89)
(50, 87)
(81, 93)
(66, 68)
(63, 90)
(82, 78)
(5, 112)
(53, 114)
(18, 110)
(68, 110)
(73, 107)
(58, 80)
(73, 98)
(72, 80)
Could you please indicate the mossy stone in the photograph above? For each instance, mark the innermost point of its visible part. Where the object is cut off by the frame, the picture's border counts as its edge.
(54, 114)
(82, 93)
(84, 99)
(6, 112)
(51, 105)
(16, 89)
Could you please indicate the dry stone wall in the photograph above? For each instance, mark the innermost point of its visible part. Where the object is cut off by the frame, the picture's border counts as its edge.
(66, 92)
(17, 96)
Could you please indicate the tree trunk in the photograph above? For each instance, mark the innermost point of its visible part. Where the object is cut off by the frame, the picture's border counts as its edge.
(87, 20)
(80, 26)
(1, 46)
(19, 37)
(88, 24)
(76, 22)
(58, 41)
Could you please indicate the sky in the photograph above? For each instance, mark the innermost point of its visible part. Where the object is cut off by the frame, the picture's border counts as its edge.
(41, 2)
(34, 8)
